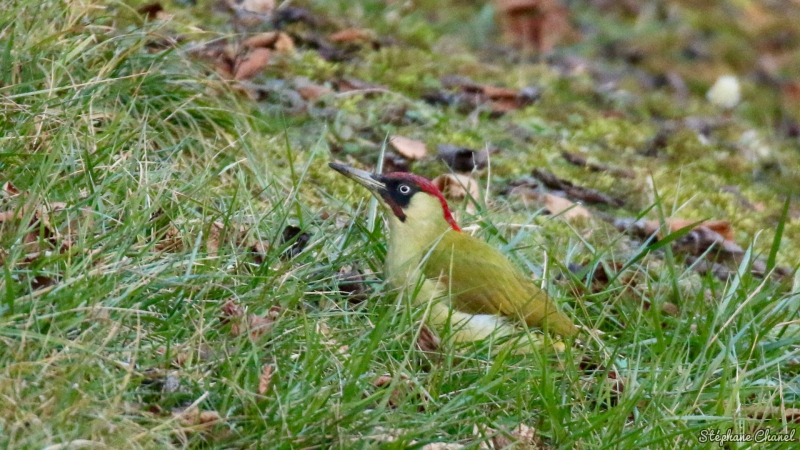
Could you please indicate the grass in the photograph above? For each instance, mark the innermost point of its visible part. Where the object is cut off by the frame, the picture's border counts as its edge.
(145, 184)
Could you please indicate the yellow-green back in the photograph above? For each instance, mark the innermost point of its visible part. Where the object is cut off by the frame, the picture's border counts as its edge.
(481, 280)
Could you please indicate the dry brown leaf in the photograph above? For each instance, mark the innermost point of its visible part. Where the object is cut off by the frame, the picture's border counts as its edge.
(557, 206)
(671, 309)
(232, 309)
(299, 240)
(470, 95)
(525, 434)
(273, 40)
(265, 40)
(442, 446)
(198, 420)
(462, 159)
(8, 216)
(522, 437)
(581, 161)
(259, 325)
(253, 63)
(353, 35)
(256, 325)
(260, 250)
(265, 379)
(456, 186)
(313, 92)
(410, 148)
(212, 243)
(170, 242)
(151, 10)
(310, 91)
(536, 24)
(382, 381)
(790, 415)
(350, 282)
(459, 187)
(427, 340)
(499, 93)
(252, 6)
(9, 190)
(575, 192)
(397, 394)
(567, 209)
(392, 162)
(284, 44)
(723, 227)
(354, 84)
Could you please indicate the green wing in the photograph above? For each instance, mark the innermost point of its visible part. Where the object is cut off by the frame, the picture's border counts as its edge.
(483, 281)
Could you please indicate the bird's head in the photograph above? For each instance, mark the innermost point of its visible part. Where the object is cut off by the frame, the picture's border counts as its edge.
(411, 198)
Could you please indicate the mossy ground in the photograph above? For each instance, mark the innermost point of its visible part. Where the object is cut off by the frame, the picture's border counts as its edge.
(111, 315)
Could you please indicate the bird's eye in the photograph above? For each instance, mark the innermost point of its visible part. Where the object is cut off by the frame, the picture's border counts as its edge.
(404, 189)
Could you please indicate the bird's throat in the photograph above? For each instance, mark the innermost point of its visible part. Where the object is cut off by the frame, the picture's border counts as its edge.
(409, 242)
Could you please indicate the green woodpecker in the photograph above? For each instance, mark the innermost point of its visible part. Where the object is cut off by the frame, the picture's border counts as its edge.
(469, 286)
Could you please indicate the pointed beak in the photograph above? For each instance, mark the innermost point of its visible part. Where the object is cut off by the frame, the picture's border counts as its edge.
(367, 179)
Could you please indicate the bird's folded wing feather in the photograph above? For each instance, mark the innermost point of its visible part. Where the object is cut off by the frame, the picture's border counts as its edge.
(483, 281)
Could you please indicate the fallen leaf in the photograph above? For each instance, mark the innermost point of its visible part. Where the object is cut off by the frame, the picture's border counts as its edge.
(196, 419)
(410, 148)
(232, 309)
(599, 278)
(581, 161)
(354, 84)
(220, 54)
(427, 341)
(273, 40)
(265, 379)
(150, 10)
(561, 206)
(171, 241)
(213, 241)
(782, 414)
(557, 206)
(260, 249)
(499, 93)
(469, 96)
(284, 44)
(353, 35)
(574, 192)
(381, 434)
(442, 446)
(288, 14)
(296, 238)
(8, 216)
(401, 390)
(537, 24)
(723, 227)
(462, 159)
(9, 190)
(351, 284)
(252, 6)
(459, 187)
(392, 162)
(713, 236)
(382, 381)
(258, 325)
(252, 63)
(311, 92)
(521, 436)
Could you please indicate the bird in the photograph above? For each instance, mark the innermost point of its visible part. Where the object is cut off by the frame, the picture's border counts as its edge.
(470, 290)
